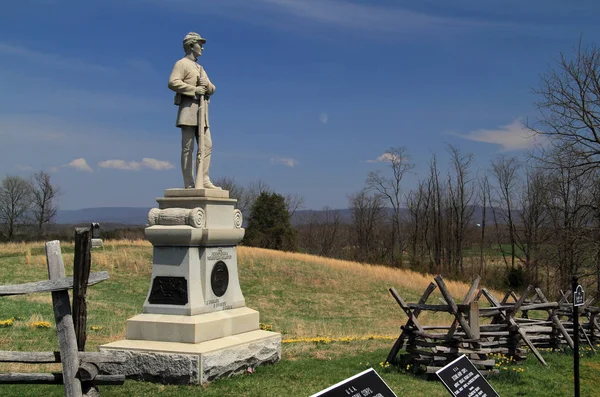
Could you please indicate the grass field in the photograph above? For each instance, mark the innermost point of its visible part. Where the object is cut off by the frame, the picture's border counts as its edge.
(336, 319)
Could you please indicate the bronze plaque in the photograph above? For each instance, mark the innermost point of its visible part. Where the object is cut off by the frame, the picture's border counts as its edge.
(219, 278)
(169, 291)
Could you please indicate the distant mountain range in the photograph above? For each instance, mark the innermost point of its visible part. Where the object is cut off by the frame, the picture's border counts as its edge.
(139, 215)
(123, 215)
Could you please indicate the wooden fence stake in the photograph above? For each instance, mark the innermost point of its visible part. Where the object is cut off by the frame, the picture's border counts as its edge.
(467, 300)
(81, 274)
(400, 341)
(506, 316)
(67, 341)
(556, 320)
(457, 314)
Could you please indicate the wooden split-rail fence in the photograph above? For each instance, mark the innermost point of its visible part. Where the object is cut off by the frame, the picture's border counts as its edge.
(80, 369)
(484, 326)
(556, 331)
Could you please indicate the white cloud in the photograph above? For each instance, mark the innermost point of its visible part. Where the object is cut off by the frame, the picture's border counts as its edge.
(514, 136)
(120, 165)
(289, 162)
(384, 158)
(365, 16)
(324, 118)
(157, 165)
(146, 162)
(80, 164)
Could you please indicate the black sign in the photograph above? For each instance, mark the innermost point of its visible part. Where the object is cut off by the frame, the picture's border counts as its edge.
(578, 296)
(462, 379)
(366, 384)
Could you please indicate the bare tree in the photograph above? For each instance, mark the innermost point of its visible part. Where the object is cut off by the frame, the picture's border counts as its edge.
(461, 198)
(436, 216)
(531, 233)
(320, 232)
(367, 212)
(390, 188)
(484, 194)
(569, 107)
(505, 171)
(15, 201)
(44, 195)
(569, 209)
(256, 188)
(595, 236)
(236, 191)
(293, 202)
(418, 203)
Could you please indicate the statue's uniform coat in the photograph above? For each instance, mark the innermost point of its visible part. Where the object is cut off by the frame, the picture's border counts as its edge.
(183, 81)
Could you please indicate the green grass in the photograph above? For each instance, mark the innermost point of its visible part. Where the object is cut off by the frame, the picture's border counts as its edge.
(301, 297)
(306, 375)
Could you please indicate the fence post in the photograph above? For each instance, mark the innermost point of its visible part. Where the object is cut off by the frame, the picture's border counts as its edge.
(474, 319)
(67, 342)
(81, 274)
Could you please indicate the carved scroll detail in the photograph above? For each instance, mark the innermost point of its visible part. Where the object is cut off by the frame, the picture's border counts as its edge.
(195, 217)
(238, 219)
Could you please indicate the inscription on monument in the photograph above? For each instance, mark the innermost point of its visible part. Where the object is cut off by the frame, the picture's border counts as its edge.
(219, 254)
(219, 278)
(169, 291)
(217, 303)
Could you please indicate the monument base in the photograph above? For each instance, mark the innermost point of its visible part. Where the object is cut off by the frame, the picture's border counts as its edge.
(191, 329)
(195, 326)
(194, 363)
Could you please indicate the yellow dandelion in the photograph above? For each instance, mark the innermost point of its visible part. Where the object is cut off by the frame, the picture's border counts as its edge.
(41, 324)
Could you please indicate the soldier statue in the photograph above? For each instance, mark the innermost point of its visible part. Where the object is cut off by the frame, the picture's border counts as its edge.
(193, 90)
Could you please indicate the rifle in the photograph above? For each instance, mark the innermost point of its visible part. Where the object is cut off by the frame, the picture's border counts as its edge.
(199, 183)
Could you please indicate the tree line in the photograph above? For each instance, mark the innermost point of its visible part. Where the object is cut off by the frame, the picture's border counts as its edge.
(29, 204)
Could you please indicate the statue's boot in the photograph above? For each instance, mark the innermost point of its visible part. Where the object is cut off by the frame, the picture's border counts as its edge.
(206, 180)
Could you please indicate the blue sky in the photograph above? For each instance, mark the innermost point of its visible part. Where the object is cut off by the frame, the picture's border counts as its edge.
(309, 92)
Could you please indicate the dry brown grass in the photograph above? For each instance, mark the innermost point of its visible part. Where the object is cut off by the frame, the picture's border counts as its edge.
(123, 259)
(310, 296)
(301, 295)
(398, 278)
(14, 248)
(29, 368)
(127, 243)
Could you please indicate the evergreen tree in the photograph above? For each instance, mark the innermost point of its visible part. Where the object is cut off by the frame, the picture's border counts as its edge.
(269, 224)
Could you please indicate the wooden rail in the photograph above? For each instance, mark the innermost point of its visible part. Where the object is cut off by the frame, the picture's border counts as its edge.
(80, 375)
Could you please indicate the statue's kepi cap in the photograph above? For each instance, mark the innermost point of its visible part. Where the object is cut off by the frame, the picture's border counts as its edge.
(193, 37)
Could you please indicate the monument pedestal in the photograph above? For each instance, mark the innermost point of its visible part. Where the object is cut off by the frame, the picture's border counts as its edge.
(195, 325)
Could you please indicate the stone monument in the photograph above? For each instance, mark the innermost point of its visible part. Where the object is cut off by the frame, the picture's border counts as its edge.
(195, 325)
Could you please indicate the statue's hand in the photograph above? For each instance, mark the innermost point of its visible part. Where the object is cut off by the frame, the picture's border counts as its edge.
(200, 90)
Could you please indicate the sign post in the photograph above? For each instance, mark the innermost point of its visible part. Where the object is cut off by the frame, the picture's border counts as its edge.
(578, 300)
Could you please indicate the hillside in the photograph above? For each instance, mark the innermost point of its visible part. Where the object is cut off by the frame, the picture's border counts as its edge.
(336, 319)
(300, 295)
